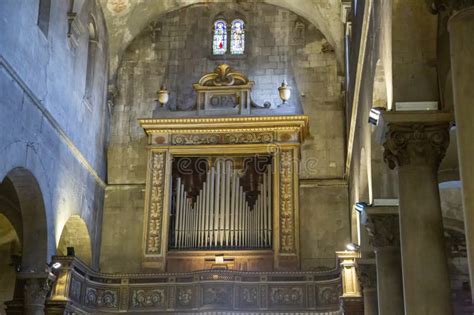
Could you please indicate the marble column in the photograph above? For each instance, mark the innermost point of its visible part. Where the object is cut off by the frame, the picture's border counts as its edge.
(367, 275)
(415, 144)
(383, 228)
(461, 32)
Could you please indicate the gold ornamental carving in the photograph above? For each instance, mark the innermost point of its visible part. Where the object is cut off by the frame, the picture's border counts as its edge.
(155, 215)
(287, 243)
(231, 138)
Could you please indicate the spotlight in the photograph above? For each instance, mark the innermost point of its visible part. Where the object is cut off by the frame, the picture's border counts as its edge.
(374, 115)
(219, 259)
(352, 247)
(360, 206)
(56, 265)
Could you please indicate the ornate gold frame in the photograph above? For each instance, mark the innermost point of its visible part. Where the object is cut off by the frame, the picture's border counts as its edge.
(280, 136)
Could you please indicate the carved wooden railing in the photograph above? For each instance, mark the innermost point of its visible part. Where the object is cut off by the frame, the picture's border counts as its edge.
(80, 290)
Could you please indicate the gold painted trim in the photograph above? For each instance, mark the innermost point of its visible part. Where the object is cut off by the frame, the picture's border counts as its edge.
(293, 123)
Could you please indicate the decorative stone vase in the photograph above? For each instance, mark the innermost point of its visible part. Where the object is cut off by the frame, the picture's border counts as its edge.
(163, 96)
(285, 92)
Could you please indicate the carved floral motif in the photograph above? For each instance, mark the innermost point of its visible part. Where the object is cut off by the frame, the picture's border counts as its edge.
(248, 296)
(148, 298)
(155, 215)
(101, 298)
(185, 296)
(35, 290)
(286, 296)
(287, 243)
(217, 295)
(416, 144)
(329, 295)
(231, 138)
(383, 230)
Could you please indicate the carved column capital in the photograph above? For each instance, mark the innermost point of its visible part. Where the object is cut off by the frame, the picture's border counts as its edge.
(383, 229)
(35, 291)
(450, 6)
(367, 275)
(415, 144)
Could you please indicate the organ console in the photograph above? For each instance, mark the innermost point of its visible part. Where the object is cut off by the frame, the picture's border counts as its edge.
(222, 215)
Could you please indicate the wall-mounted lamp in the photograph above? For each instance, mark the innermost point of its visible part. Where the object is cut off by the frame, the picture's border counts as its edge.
(284, 91)
(352, 247)
(54, 265)
(374, 115)
(162, 96)
(360, 206)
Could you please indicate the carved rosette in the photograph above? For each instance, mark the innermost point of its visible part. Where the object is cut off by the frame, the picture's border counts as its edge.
(35, 291)
(383, 230)
(155, 214)
(287, 241)
(416, 144)
(367, 275)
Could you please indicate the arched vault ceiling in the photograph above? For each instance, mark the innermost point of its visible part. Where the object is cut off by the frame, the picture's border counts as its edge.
(127, 18)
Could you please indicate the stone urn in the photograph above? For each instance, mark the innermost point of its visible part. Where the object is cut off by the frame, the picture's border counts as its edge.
(163, 96)
(285, 92)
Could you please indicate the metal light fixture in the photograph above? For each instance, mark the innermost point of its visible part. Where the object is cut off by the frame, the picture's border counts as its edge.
(55, 265)
(374, 115)
(352, 247)
(163, 96)
(360, 206)
(284, 91)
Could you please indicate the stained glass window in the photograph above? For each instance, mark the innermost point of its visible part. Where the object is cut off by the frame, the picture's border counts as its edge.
(237, 41)
(219, 45)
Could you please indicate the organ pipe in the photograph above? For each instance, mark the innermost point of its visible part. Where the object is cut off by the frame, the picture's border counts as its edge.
(220, 216)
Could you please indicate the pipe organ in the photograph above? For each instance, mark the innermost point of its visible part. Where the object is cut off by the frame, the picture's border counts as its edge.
(246, 216)
(222, 215)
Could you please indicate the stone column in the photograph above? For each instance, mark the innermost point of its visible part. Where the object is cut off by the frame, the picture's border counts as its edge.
(461, 30)
(31, 292)
(415, 144)
(383, 228)
(367, 275)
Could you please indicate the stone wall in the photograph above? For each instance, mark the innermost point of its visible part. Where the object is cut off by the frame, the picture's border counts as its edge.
(175, 50)
(49, 128)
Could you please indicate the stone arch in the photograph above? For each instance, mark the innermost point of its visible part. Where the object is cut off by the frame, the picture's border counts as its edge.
(33, 219)
(379, 92)
(75, 234)
(10, 254)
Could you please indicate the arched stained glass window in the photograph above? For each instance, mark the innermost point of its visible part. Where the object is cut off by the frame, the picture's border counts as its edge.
(237, 40)
(219, 45)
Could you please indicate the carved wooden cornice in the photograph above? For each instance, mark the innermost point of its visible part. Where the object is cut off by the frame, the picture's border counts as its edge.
(231, 125)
